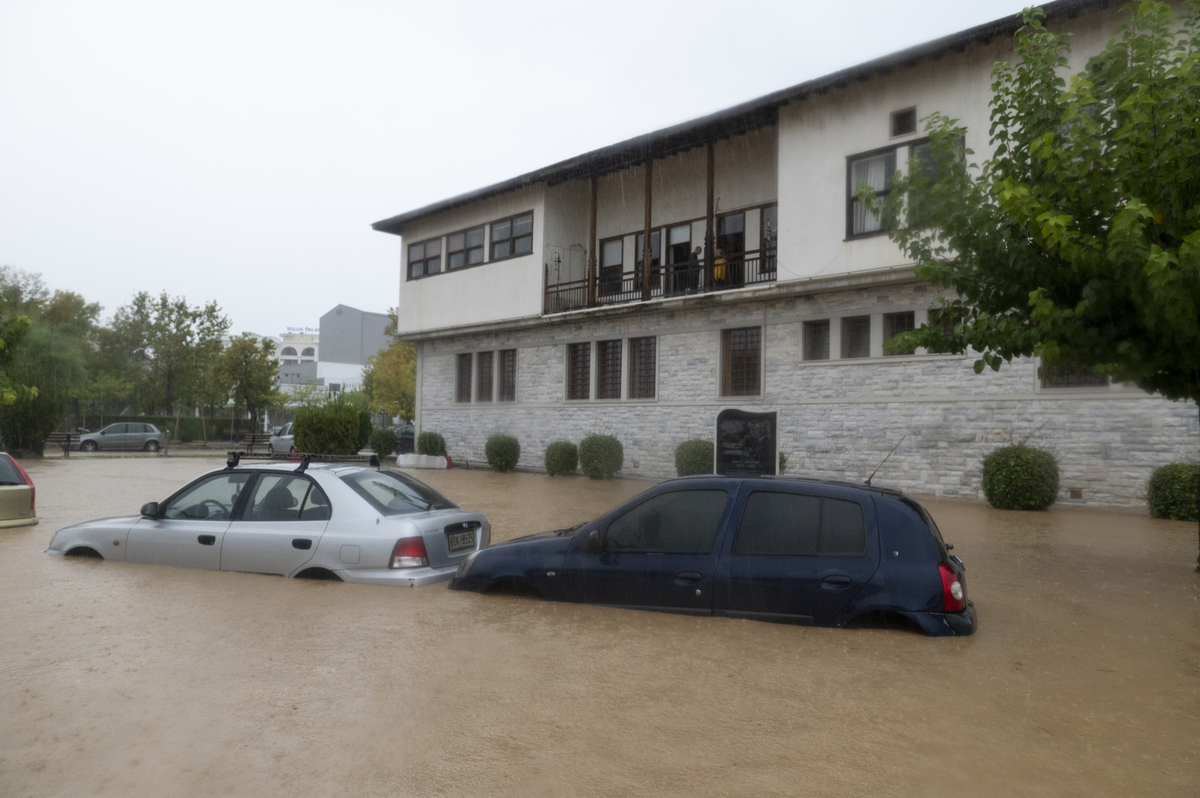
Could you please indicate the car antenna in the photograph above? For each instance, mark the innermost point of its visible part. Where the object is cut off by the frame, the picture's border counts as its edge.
(303, 464)
(889, 454)
(234, 457)
(374, 461)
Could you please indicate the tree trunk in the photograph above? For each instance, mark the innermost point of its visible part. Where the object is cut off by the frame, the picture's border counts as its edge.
(175, 437)
(1198, 501)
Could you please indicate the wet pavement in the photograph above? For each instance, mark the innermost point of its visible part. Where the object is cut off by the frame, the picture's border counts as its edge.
(132, 680)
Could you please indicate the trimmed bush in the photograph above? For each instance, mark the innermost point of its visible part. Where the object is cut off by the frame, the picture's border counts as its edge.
(383, 442)
(562, 458)
(502, 452)
(330, 429)
(694, 457)
(1173, 490)
(601, 456)
(1020, 478)
(431, 443)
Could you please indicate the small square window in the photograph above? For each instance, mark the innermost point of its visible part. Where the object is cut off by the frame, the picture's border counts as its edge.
(904, 122)
(856, 336)
(893, 325)
(816, 340)
(512, 236)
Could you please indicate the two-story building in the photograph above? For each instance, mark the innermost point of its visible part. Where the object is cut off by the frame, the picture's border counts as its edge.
(639, 289)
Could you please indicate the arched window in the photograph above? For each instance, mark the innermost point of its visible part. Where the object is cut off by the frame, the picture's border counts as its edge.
(287, 350)
(308, 352)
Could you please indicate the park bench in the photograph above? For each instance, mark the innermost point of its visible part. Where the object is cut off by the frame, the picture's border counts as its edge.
(250, 439)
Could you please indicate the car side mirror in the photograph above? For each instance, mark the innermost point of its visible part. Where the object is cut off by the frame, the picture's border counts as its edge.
(595, 542)
(150, 510)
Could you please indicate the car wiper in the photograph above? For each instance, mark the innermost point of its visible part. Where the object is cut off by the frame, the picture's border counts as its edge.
(570, 530)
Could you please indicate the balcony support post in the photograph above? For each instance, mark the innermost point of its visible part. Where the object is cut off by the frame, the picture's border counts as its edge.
(710, 219)
(591, 257)
(646, 234)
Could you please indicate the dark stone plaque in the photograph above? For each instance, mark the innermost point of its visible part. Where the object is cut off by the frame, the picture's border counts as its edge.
(746, 443)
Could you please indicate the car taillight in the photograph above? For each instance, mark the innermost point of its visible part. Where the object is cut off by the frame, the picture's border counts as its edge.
(954, 594)
(409, 553)
(29, 482)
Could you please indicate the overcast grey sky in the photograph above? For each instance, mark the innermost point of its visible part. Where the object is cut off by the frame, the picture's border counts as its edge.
(239, 151)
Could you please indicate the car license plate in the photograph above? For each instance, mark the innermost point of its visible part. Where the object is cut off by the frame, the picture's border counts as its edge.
(461, 540)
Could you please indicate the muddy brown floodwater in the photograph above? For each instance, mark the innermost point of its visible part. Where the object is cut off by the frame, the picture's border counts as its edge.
(130, 680)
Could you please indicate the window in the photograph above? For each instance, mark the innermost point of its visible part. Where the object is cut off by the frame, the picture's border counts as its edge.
(816, 340)
(508, 376)
(655, 254)
(770, 236)
(612, 254)
(679, 244)
(793, 524)
(579, 370)
(641, 368)
(904, 122)
(308, 352)
(731, 233)
(741, 360)
(680, 522)
(394, 493)
(875, 171)
(512, 236)
(288, 351)
(425, 258)
(1069, 375)
(284, 497)
(464, 248)
(893, 325)
(922, 164)
(484, 361)
(856, 336)
(211, 500)
(608, 369)
(462, 378)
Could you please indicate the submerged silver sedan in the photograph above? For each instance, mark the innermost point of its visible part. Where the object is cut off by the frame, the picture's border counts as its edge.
(350, 523)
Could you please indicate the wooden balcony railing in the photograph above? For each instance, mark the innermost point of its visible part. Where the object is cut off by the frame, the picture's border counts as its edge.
(741, 269)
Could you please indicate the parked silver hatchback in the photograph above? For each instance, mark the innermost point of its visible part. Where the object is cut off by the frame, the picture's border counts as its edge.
(123, 436)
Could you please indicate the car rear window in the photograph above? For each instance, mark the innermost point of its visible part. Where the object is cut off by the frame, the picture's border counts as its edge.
(395, 493)
(800, 525)
(8, 472)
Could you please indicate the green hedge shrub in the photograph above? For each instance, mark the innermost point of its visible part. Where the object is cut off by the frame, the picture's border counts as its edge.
(562, 458)
(382, 442)
(502, 452)
(431, 443)
(694, 457)
(1172, 492)
(601, 456)
(1020, 478)
(330, 429)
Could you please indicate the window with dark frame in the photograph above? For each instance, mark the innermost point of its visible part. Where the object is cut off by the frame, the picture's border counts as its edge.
(512, 236)
(608, 369)
(798, 525)
(741, 361)
(464, 248)
(769, 236)
(484, 362)
(1070, 375)
(876, 171)
(904, 122)
(816, 340)
(462, 378)
(856, 336)
(612, 268)
(922, 162)
(642, 367)
(579, 371)
(508, 376)
(424, 258)
(893, 325)
(655, 255)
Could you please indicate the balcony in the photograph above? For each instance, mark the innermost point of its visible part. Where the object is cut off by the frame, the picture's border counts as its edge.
(685, 279)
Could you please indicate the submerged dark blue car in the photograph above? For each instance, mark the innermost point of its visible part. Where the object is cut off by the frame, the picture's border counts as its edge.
(777, 549)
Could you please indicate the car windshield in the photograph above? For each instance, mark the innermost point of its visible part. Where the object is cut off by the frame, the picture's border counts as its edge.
(395, 493)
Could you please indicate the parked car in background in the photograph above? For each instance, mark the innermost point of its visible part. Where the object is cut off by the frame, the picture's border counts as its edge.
(405, 439)
(349, 523)
(123, 436)
(282, 442)
(785, 549)
(18, 496)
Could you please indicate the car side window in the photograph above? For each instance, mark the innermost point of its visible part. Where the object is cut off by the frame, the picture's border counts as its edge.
(679, 522)
(287, 497)
(799, 525)
(212, 499)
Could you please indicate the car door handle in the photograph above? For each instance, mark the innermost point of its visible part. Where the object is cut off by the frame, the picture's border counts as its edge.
(687, 578)
(301, 543)
(207, 540)
(835, 582)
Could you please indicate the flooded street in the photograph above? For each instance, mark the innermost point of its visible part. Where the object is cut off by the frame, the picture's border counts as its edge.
(117, 679)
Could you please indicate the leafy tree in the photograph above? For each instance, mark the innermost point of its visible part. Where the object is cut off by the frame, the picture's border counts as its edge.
(52, 359)
(1079, 240)
(248, 370)
(172, 341)
(13, 330)
(390, 378)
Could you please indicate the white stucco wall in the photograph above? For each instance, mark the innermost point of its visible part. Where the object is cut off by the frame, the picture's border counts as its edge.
(506, 289)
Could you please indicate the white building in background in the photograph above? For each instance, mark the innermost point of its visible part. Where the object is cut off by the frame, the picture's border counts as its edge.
(536, 314)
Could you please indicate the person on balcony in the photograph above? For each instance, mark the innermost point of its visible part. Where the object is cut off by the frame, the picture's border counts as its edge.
(719, 273)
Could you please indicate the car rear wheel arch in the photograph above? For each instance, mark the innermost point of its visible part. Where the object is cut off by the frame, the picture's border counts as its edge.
(322, 574)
